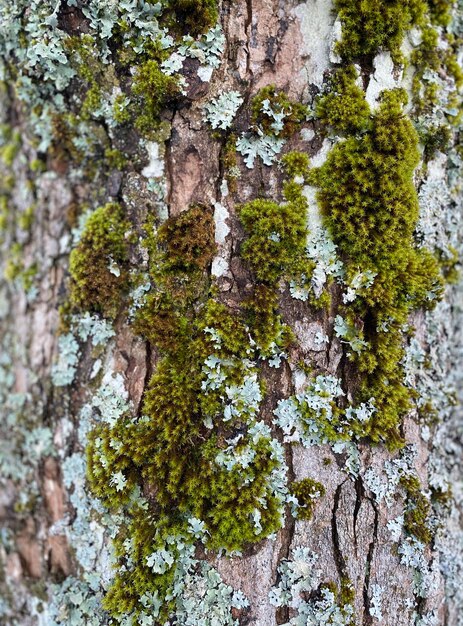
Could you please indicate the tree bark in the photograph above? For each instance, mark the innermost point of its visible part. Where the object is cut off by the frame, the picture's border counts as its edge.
(108, 144)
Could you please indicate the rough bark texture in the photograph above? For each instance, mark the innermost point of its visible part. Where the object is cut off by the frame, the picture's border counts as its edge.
(356, 560)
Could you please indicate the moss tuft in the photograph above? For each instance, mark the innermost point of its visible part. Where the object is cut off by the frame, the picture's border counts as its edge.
(154, 90)
(417, 510)
(344, 107)
(98, 264)
(373, 25)
(189, 239)
(307, 491)
(277, 233)
(191, 17)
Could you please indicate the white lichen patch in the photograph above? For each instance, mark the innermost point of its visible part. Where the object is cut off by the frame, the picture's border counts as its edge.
(384, 77)
(316, 24)
(221, 112)
(155, 167)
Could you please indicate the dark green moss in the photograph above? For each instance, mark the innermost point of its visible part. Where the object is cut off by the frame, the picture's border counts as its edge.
(344, 107)
(265, 320)
(191, 17)
(374, 25)
(98, 264)
(189, 239)
(307, 491)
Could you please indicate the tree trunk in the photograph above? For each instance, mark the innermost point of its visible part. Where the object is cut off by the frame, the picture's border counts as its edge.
(231, 313)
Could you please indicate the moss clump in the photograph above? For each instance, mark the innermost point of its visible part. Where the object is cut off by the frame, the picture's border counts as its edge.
(154, 90)
(417, 510)
(98, 264)
(441, 11)
(180, 253)
(198, 422)
(265, 321)
(344, 107)
(275, 113)
(189, 239)
(372, 25)
(191, 17)
(307, 491)
(369, 203)
(230, 163)
(277, 233)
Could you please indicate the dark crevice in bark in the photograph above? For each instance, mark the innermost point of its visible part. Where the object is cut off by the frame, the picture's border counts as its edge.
(339, 559)
(367, 618)
(248, 31)
(282, 615)
(359, 492)
(168, 165)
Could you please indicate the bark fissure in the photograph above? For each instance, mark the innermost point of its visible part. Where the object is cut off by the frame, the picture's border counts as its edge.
(339, 560)
(367, 618)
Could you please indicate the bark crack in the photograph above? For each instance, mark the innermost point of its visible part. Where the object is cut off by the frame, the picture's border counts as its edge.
(359, 492)
(339, 559)
(248, 31)
(287, 535)
(367, 618)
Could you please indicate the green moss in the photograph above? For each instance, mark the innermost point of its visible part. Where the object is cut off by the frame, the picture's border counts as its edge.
(270, 105)
(10, 149)
(191, 17)
(230, 163)
(373, 25)
(179, 450)
(115, 159)
(277, 233)
(307, 491)
(441, 11)
(417, 510)
(265, 320)
(154, 90)
(344, 107)
(98, 264)
(369, 203)
(189, 239)
(180, 253)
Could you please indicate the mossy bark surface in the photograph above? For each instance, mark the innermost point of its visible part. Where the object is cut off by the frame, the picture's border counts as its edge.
(231, 313)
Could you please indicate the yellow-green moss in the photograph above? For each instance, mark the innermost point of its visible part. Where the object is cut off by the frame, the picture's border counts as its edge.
(98, 264)
(370, 26)
(344, 107)
(417, 510)
(154, 90)
(276, 233)
(369, 203)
